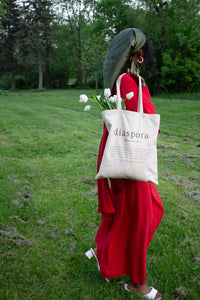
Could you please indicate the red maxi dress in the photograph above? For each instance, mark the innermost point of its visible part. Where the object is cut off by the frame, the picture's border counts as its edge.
(130, 211)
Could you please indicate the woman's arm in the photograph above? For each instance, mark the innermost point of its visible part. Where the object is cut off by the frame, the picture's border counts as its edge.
(135, 76)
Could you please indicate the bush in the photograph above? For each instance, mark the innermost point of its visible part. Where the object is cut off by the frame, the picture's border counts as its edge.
(22, 82)
(5, 82)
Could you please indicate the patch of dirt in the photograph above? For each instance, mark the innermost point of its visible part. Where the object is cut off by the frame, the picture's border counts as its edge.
(170, 161)
(197, 258)
(190, 184)
(181, 292)
(18, 219)
(25, 193)
(88, 180)
(121, 283)
(14, 178)
(195, 195)
(24, 196)
(92, 225)
(167, 146)
(17, 239)
(91, 154)
(189, 164)
(178, 153)
(40, 222)
(190, 155)
(92, 192)
(184, 181)
(70, 233)
(54, 234)
(17, 203)
(72, 247)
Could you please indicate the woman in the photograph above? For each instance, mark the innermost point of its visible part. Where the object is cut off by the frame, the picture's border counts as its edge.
(130, 210)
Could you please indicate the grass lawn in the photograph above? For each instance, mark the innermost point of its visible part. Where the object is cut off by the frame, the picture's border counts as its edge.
(48, 199)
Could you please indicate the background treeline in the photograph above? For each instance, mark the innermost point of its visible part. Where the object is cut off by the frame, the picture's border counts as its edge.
(54, 43)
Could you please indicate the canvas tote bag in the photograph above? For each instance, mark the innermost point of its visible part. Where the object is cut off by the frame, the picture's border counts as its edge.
(131, 147)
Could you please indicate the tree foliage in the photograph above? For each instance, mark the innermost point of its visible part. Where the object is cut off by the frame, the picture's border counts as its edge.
(8, 39)
(37, 18)
(68, 40)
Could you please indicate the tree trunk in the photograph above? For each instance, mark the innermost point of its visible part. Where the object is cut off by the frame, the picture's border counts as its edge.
(159, 9)
(47, 79)
(47, 75)
(40, 81)
(79, 58)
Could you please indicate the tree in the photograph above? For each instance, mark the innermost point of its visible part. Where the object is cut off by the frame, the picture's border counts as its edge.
(111, 17)
(180, 69)
(93, 55)
(173, 27)
(2, 15)
(76, 18)
(8, 39)
(37, 19)
(62, 62)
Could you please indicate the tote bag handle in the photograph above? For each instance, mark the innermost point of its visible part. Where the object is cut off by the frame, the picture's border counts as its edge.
(119, 99)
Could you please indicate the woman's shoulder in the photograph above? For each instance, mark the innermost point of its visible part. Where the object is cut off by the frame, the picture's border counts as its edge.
(127, 78)
(128, 83)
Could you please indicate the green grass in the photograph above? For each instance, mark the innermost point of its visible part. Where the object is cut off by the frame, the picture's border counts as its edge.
(48, 200)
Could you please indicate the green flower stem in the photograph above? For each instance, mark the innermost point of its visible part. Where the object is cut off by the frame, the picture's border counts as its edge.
(105, 104)
(96, 102)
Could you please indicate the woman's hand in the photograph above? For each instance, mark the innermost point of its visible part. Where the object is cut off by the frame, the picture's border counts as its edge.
(135, 76)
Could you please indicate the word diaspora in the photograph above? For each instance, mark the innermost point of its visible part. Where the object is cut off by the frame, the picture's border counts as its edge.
(105, 101)
(130, 134)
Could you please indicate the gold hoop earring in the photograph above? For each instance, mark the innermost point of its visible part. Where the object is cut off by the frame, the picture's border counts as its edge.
(140, 60)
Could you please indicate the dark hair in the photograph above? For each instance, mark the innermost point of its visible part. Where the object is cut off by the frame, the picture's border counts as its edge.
(148, 58)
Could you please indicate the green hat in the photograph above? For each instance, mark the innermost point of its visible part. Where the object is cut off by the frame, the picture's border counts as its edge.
(119, 52)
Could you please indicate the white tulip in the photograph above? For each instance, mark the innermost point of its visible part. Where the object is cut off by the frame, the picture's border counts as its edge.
(113, 99)
(87, 108)
(99, 97)
(107, 93)
(129, 95)
(83, 98)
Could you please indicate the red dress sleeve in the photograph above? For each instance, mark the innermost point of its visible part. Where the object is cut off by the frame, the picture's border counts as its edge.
(128, 85)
